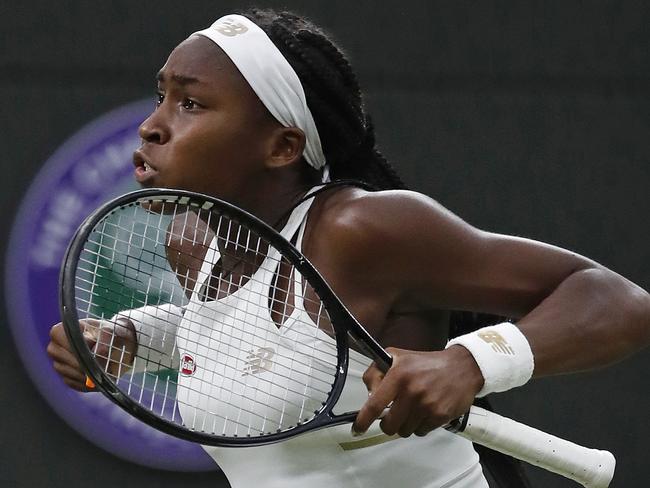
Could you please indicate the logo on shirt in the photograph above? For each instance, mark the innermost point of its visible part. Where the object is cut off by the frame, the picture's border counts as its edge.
(188, 365)
(497, 342)
(259, 361)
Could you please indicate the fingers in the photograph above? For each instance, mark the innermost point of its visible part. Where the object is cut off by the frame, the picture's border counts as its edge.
(373, 408)
(382, 390)
(70, 373)
(372, 377)
(112, 344)
(90, 331)
(425, 390)
(59, 348)
(400, 419)
(115, 347)
(109, 352)
(62, 355)
(75, 385)
(64, 361)
(425, 427)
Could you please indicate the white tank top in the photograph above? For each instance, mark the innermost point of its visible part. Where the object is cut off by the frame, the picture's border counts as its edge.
(329, 457)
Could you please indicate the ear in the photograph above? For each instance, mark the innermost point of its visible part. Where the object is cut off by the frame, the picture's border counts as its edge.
(287, 146)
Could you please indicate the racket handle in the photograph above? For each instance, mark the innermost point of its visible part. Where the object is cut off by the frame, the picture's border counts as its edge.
(590, 467)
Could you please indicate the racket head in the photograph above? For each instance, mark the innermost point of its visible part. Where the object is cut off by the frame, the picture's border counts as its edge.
(138, 397)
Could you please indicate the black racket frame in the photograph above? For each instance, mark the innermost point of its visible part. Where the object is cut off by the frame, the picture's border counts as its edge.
(342, 320)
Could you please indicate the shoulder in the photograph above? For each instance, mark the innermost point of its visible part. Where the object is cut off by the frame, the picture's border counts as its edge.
(385, 251)
(356, 220)
(387, 240)
(415, 253)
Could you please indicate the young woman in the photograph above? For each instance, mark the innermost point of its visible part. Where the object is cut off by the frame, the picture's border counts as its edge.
(261, 109)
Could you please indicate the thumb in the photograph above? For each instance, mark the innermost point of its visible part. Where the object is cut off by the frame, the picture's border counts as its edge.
(90, 333)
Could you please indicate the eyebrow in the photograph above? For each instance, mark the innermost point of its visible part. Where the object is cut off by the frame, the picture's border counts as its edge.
(180, 79)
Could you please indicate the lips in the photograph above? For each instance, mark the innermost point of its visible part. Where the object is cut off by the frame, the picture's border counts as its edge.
(144, 170)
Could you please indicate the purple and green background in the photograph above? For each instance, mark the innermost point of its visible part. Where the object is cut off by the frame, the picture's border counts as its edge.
(528, 118)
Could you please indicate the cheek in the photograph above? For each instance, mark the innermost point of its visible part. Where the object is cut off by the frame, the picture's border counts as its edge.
(217, 155)
(212, 169)
(221, 142)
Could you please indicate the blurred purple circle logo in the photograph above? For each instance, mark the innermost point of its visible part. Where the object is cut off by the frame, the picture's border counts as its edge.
(90, 168)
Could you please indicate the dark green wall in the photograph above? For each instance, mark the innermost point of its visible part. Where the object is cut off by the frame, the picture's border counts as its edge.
(531, 118)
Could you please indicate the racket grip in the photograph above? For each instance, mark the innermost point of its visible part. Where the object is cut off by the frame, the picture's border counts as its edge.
(592, 468)
(89, 383)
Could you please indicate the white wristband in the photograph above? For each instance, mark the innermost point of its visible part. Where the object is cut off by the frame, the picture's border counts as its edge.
(503, 355)
(155, 326)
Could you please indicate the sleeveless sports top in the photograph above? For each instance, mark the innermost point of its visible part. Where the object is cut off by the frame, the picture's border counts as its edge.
(329, 457)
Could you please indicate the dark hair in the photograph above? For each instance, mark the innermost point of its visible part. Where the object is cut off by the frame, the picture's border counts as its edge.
(333, 96)
(335, 100)
(348, 139)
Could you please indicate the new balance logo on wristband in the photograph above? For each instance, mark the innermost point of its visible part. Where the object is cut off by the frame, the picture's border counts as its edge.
(507, 368)
(496, 341)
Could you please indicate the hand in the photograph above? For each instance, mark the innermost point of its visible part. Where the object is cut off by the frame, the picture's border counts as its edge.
(427, 390)
(114, 345)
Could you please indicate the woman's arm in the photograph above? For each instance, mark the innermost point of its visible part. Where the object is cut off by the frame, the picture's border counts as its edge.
(146, 335)
(575, 313)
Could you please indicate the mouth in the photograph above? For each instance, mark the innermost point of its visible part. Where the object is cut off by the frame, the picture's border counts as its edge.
(144, 171)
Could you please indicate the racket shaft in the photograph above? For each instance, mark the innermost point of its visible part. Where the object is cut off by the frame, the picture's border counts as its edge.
(590, 467)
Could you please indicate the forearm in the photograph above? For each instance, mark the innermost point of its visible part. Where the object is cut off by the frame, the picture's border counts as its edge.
(593, 318)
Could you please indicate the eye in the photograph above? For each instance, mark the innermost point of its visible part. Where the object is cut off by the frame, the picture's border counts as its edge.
(159, 98)
(189, 104)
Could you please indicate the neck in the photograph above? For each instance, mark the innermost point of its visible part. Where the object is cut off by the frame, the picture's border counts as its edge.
(272, 199)
(278, 191)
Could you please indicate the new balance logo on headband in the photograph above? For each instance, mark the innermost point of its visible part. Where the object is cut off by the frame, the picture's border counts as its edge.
(230, 28)
(270, 76)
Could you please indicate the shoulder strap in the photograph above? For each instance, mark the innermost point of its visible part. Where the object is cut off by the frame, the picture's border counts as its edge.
(303, 206)
(211, 257)
(318, 189)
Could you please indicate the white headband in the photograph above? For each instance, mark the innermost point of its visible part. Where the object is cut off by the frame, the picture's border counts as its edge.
(270, 76)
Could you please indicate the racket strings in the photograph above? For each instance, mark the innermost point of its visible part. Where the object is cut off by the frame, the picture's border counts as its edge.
(165, 267)
(126, 264)
(315, 364)
(332, 354)
(135, 302)
(154, 390)
(108, 359)
(301, 335)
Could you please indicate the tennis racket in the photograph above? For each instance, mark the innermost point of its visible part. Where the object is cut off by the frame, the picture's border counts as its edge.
(201, 320)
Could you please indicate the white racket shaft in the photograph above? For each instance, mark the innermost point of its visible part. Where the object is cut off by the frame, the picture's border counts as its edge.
(590, 467)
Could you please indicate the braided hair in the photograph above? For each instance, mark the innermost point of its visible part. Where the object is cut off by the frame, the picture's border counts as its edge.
(334, 98)
(348, 140)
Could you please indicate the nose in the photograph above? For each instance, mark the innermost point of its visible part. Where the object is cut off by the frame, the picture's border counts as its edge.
(153, 129)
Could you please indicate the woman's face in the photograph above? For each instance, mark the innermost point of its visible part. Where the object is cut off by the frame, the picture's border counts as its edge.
(209, 132)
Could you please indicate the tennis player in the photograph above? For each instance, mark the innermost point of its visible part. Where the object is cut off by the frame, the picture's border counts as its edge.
(260, 109)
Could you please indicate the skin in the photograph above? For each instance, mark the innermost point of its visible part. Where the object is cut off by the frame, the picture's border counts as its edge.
(400, 258)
